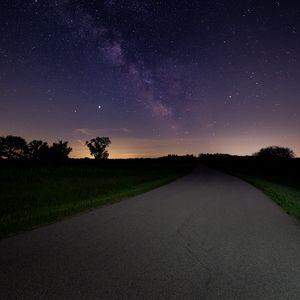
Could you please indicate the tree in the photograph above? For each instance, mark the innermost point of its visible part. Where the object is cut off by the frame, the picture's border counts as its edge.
(38, 150)
(275, 151)
(12, 147)
(60, 151)
(97, 147)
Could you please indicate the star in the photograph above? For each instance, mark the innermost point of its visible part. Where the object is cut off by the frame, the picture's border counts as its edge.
(172, 67)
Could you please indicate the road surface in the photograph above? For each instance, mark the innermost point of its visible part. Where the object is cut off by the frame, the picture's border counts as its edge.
(205, 236)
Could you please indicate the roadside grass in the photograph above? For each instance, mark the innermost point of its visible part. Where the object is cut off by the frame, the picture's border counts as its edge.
(285, 196)
(277, 178)
(32, 195)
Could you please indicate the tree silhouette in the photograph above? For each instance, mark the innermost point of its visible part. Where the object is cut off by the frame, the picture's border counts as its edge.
(12, 147)
(97, 147)
(60, 151)
(38, 150)
(275, 151)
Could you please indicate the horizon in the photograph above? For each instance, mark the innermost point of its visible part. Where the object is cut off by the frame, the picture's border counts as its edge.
(83, 152)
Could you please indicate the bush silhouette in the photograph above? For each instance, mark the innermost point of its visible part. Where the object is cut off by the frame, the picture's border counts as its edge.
(59, 151)
(97, 147)
(12, 147)
(275, 152)
(38, 150)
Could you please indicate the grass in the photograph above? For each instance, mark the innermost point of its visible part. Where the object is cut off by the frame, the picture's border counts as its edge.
(285, 196)
(38, 194)
(278, 179)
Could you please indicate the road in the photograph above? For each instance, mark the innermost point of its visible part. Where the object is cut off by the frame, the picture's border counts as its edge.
(205, 236)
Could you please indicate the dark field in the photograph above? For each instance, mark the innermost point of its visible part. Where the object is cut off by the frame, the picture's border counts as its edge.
(38, 193)
(278, 178)
(34, 194)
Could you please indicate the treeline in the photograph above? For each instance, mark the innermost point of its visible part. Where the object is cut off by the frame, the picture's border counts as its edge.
(17, 148)
(270, 152)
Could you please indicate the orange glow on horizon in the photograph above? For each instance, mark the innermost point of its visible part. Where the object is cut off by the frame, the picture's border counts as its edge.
(144, 148)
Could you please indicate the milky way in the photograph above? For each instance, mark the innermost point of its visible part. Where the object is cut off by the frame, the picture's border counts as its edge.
(158, 77)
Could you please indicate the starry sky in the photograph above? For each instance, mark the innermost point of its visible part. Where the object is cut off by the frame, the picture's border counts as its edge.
(157, 77)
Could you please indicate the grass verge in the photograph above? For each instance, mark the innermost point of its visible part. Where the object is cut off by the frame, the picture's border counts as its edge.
(277, 178)
(32, 195)
(285, 196)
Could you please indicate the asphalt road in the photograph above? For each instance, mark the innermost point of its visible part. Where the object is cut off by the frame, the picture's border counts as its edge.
(205, 236)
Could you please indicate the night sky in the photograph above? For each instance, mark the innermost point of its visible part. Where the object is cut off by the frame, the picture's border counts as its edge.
(157, 77)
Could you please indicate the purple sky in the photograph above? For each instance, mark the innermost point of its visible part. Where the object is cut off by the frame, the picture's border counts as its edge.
(157, 77)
